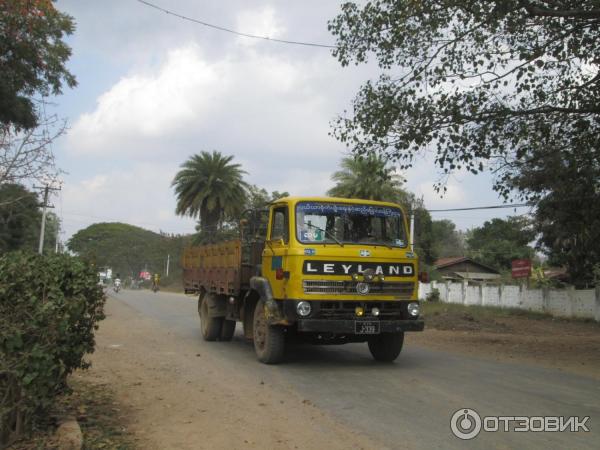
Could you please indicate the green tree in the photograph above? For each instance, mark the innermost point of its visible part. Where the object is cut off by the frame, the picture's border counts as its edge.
(370, 178)
(210, 187)
(488, 84)
(53, 228)
(20, 218)
(566, 189)
(259, 197)
(510, 86)
(499, 241)
(128, 249)
(424, 236)
(447, 240)
(33, 58)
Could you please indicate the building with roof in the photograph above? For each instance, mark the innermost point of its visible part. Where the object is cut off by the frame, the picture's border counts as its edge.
(464, 268)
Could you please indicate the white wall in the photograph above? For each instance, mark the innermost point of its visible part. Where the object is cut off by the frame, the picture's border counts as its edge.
(557, 302)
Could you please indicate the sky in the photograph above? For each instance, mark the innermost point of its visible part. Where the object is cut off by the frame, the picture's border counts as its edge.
(154, 90)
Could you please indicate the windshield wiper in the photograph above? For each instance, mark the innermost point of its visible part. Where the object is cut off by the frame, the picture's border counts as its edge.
(327, 233)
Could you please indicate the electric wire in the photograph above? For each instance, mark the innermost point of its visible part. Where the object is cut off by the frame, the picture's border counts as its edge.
(474, 208)
(229, 30)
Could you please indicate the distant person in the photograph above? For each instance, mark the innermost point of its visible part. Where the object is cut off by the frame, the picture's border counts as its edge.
(155, 282)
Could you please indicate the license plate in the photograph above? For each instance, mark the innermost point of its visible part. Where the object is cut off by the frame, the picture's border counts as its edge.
(366, 327)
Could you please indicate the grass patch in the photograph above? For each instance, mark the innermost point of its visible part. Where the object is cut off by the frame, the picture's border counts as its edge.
(99, 416)
(452, 316)
(481, 312)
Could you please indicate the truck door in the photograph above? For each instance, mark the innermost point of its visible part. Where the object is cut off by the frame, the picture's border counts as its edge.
(274, 264)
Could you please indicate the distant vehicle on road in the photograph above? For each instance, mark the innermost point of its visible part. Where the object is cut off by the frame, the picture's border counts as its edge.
(320, 270)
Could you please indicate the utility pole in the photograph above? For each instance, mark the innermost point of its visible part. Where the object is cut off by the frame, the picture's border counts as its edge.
(412, 228)
(168, 260)
(47, 190)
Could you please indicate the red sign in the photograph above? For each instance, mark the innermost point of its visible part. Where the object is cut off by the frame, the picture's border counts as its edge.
(521, 268)
(144, 275)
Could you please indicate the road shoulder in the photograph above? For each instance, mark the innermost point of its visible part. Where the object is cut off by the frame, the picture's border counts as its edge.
(179, 396)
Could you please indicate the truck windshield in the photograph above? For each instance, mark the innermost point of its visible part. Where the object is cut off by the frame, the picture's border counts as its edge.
(331, 223)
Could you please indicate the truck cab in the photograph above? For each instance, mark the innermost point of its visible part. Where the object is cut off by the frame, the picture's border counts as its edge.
(328, 271)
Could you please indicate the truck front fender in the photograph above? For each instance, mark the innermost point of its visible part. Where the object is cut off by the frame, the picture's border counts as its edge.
(263, 287)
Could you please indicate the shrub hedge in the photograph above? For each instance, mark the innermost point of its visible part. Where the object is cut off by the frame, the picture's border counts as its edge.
(49, 309)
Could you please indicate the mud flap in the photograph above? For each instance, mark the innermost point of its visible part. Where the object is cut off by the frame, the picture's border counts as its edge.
(273, 312)
(217, 305)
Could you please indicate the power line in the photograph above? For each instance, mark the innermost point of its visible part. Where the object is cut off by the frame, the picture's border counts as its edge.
(228, 30)
(512, 205)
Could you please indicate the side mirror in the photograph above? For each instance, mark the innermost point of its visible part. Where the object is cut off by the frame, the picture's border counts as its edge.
(279, 242)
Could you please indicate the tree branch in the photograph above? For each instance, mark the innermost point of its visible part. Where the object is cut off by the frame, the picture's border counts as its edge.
(540, 11)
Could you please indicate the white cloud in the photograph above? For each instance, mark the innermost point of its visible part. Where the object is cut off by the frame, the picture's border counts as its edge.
(454, 195)
(140, 195)
(250, 104)
(151, 105)
(164, 89)
(259, 23)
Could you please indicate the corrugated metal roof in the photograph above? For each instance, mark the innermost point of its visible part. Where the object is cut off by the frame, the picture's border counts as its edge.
(478, 275)
(450, 261)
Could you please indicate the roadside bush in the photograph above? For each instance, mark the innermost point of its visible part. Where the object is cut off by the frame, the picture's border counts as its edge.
(49, 309)
(433, 296)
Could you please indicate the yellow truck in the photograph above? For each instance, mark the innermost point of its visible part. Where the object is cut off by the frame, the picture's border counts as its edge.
(315, 269)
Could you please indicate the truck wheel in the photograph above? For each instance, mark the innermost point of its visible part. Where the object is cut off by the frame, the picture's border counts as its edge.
(269, 341)
(386, 347)
(210, 326)
(227, 330)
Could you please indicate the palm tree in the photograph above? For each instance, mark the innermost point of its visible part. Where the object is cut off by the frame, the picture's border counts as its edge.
(369, 178)
(210, 187)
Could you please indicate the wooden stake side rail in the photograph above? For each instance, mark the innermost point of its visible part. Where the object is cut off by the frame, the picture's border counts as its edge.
(214, 267)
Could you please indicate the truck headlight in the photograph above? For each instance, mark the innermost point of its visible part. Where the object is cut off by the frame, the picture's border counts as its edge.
(303, 309)
(413, 309)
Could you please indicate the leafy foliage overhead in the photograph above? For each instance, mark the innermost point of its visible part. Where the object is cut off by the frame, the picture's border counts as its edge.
(488, 84)
(33, 58)
(210, 187)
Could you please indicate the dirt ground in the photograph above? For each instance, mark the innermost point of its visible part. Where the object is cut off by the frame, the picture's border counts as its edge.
(185, 400)
(175, 397)
(569, 345)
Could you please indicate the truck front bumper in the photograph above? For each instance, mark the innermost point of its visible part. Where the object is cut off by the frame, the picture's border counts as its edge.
(348, 326)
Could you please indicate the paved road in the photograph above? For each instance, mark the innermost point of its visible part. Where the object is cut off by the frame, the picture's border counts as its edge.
(407, 404)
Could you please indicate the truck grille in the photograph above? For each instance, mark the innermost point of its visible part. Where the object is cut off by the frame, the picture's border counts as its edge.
(390, 310)
(398, 289)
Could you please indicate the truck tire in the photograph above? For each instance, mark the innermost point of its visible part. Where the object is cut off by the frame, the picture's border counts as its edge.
(269, 341)
(210, 326)
(227, 330)
(386, 347)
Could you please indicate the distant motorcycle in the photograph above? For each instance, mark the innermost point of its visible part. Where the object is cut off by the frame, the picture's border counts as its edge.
(117, 285)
